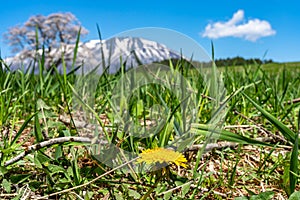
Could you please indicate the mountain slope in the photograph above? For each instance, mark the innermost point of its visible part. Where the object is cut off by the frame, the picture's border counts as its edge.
(130, 51)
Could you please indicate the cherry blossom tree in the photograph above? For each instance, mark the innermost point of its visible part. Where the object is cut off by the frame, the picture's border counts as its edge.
(46, 32)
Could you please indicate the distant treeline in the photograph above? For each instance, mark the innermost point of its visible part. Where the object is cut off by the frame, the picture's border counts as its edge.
(240, 61)
(221, 62)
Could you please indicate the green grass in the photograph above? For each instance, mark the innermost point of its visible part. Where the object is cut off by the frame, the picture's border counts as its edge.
(261, 121)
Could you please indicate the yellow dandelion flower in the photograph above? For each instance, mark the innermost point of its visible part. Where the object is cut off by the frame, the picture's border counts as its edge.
(161, 155)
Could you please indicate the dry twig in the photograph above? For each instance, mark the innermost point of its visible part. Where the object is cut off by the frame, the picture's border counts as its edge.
(47, 143)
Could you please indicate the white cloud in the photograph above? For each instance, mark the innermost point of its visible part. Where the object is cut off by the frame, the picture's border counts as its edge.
(236, 27)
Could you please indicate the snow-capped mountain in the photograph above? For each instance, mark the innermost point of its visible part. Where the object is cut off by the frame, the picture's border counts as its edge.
(129, 51)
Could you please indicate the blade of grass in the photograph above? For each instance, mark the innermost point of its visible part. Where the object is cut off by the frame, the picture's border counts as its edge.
(294, 161)
(216, 133)
(76, 49)
(22, 129)
(286, 132)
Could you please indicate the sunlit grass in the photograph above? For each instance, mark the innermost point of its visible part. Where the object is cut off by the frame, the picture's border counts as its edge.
(262, 126)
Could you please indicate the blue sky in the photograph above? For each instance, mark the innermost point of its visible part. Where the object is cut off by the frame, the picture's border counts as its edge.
(246, 28)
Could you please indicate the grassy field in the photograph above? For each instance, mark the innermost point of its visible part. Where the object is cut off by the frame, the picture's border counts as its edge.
(48, 140)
